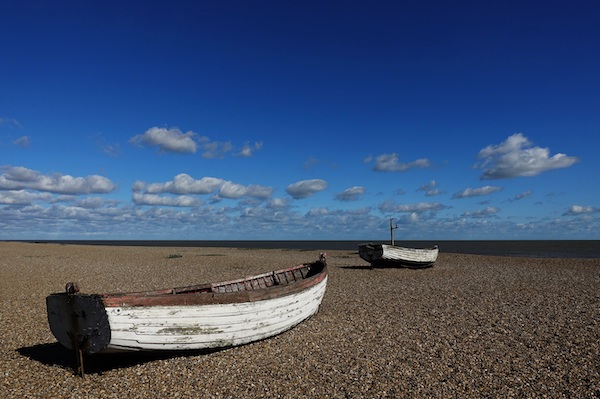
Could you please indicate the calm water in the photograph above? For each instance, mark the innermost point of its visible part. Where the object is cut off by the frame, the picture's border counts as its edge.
(529, 249)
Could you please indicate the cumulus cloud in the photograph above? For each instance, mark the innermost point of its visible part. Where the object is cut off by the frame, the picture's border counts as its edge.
(390, 206)
(410, 218)
(474, 192)
(167, 140)
(482, 213)
(248, 150)
(164, 200)
(23, 141)
(278, 203)
(316, 212)
(391, 163)
(234, 191)
(183, 184)
(22, 197)
(91, 203)
(351, 194)
(214, 149)
(21, 178)
(516, 157)
(306, 188)
(430, 189)
(575, 210)
(523, 195)
(175, 141)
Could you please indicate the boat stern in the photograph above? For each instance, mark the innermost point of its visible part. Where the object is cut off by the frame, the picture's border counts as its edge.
(370, 252)
(79, 322)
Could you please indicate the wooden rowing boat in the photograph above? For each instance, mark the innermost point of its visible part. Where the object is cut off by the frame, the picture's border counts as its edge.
(198, 317)
(390, 255)
(385, 255)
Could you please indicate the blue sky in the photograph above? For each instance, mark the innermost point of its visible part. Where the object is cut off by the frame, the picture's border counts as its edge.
(300, 120)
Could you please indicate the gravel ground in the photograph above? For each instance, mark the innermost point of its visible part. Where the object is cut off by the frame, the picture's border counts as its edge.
(469, 327)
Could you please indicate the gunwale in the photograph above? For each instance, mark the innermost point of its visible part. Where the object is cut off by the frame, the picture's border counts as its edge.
(258, 287)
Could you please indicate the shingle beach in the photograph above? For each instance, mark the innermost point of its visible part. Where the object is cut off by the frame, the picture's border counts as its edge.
(469, 327)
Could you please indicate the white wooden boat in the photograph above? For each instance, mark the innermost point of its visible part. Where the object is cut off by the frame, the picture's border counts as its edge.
(199, 317)
(385, 255)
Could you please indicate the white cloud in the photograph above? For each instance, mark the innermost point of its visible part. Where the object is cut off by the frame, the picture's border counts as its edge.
(234, 191)
(248, 150)
(214, 149)
(390, 163)
(278, 203)
(408, 219)
(215, 199)
(163, 200)
(430, 189)
(167, 140)
(184, 184)
(174, 140)
(515, 157)
(389, 206)
(351, 194)
(22, 197)
(20, 173)
(413, 217)
(580, 210)
(428, 186)
(139, 186)
(306, 188)
(523, 195)
(23, 141)
(127, 221)
(91, 203)
(19, 178)
(315, 212)
(482, 213)
(473, 192)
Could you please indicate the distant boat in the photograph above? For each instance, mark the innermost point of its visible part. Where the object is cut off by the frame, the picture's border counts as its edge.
(198, 317)
(385, 255)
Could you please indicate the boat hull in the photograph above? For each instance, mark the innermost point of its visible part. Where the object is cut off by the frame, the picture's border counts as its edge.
(384, 255)
(211, 317)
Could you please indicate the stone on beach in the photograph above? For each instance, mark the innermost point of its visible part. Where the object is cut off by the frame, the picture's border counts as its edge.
(470, 327)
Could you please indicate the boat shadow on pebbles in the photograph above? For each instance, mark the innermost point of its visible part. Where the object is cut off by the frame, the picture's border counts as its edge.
(356, 267)
(56, 355)
(369, 267)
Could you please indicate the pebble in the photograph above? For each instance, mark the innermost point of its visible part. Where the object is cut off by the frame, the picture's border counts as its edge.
(469, 327)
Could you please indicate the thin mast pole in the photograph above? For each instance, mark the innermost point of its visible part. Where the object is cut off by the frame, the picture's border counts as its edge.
(392, 230)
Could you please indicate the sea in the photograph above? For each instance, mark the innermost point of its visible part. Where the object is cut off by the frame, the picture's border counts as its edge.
(589, 249)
